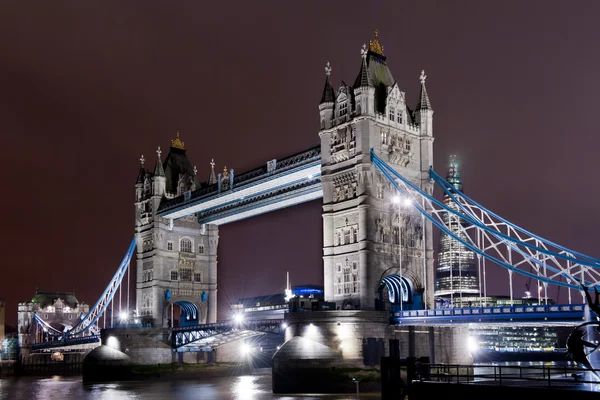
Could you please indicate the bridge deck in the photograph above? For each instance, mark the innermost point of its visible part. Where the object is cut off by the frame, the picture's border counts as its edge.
(556, 314)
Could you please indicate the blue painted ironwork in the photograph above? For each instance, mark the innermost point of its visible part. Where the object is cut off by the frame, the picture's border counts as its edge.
(572, 273)
(522, 313)
(189, 313)
(46, 327)
(188, 335)
(100, 307)
(400, 289)
(66, 342)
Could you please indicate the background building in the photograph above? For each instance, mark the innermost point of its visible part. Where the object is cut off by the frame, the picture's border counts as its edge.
(457, 272)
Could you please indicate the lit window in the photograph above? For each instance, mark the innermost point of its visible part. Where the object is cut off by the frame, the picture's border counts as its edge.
(343, 108)
(173, 275)
(185, 245)
(201, 249)
(170, 246)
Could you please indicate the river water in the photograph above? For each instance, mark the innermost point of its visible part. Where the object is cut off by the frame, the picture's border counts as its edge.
(246, 387)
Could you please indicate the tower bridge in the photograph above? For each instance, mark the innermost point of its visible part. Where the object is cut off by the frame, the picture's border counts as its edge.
(373, 171)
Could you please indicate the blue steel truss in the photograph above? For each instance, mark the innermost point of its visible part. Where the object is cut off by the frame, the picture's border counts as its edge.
(66, 342)
(188, 335)
(495, 239)
(87, 321)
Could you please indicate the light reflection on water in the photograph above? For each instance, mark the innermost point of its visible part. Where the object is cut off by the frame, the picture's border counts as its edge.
(248, 387)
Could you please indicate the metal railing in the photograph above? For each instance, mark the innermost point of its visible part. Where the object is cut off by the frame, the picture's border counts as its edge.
(548, 375)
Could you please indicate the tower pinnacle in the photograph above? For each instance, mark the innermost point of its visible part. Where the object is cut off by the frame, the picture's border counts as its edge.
(212, 179)
(328, 92)
(374, 45)
(142, 160)
(177, 143)
(424, 103)
(158, 168)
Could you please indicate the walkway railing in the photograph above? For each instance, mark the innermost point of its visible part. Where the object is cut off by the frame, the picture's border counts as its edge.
(573, 312)
(548, 375)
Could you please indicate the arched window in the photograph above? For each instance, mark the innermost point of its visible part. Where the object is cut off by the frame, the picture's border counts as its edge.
(201, 249)
(392, 114)
(355, 234)
(185, 245)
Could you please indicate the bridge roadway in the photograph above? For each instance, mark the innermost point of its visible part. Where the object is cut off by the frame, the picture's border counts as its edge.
(210, 336)
(292, 180)
(538, 315)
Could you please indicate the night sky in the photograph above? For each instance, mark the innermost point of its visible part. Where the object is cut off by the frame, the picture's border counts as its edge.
(87, 87)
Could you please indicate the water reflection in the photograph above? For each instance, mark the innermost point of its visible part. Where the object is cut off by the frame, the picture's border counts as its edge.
(248, 387)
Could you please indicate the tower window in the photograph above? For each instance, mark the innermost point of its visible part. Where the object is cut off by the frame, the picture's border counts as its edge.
(343, 108)
(399, 117)
(170, 246)
(173, 275)
(197, 277)
(186, 274)
(407, 145)
(185, 245)
(392, 114)
(201, 249)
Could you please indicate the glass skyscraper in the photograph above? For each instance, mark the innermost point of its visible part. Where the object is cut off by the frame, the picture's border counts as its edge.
(457, 272)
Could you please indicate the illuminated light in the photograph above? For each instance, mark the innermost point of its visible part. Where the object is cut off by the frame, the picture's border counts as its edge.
(113, 342)
(311, 331)
(278, 347)
(472, 344)
(238, 318)
(284, 326)
(407, 202)
(396, 199)
(136, 321)
(309, 177)
(246, 349)
(123, 316)
(45, 329)
(288, 295)
(341, 346)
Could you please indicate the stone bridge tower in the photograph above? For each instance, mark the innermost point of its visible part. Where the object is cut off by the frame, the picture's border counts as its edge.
(176, 260)
(368, 231)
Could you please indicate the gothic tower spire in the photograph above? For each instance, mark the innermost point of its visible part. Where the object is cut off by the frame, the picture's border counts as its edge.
(424, 103)
(212, 179)
(158, 168)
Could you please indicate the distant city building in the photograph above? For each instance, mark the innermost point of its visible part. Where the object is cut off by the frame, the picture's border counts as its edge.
(274, 306)
(456, 273)
(57, 310)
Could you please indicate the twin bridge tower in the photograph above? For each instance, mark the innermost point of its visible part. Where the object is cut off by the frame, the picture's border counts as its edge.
(368, 231)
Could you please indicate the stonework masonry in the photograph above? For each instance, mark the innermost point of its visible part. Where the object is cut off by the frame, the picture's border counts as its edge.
(366, 234)
(176, 260)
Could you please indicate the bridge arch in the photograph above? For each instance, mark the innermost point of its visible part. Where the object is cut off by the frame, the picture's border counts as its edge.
(192, 311)
(399, 288)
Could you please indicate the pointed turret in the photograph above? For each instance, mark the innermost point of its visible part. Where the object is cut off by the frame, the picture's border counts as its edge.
(159, 178)
(424, 112)
(212, 179)
(327, 100)
(424, 103)
(328, 92)
(363, 79)
(142, 171)
(158, 168)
